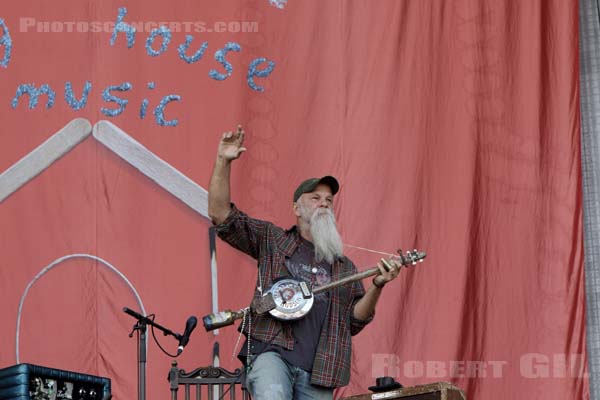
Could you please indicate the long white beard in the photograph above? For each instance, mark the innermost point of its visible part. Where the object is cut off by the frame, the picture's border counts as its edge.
(325, 236)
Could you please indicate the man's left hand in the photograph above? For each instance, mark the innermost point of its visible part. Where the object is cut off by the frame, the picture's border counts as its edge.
(387, 274)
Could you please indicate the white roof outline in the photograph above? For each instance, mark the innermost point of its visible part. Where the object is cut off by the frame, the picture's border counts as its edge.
(118, 141)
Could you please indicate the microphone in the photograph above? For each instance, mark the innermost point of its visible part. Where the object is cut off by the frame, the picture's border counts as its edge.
(190, 325)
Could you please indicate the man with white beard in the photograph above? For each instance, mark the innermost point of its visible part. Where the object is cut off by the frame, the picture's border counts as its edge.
(306, 358)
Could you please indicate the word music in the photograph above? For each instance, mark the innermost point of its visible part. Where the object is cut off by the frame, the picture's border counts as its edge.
(258, 68)
(108, 96)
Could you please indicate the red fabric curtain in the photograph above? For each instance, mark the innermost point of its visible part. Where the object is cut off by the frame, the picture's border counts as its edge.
(453, 127)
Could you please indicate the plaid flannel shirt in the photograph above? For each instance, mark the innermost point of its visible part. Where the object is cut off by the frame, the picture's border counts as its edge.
(270, 246)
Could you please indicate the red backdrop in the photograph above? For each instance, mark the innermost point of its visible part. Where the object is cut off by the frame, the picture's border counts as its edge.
(452, 126)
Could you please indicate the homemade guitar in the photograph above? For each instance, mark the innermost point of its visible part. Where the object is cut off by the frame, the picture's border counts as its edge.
(290, 299)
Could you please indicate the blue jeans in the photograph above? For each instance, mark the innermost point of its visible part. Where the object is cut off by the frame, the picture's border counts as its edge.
(271, 378)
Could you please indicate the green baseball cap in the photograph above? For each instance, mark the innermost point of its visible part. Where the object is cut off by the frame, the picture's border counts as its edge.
(309, 185)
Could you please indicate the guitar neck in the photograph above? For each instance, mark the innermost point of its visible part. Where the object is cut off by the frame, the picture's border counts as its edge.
(352, 278)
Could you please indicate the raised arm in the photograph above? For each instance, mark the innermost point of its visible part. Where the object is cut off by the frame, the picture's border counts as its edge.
(219, 198)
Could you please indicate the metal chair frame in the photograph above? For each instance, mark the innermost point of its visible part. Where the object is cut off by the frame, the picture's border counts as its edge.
(219, 382)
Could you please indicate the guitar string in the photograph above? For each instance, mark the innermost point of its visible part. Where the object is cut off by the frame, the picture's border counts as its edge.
(371, 250)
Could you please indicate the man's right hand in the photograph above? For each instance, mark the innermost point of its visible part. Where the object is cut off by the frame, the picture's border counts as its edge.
(231, 145)
(219, 198)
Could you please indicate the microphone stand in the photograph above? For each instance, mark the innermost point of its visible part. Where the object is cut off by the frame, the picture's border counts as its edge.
(140, 327)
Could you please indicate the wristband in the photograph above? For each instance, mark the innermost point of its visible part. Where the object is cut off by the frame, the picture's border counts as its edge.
(380, 286)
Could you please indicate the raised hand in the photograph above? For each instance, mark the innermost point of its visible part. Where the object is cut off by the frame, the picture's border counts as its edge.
(231, 145)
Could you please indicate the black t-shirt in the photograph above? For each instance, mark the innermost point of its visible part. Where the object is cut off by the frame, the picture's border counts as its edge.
(302, 266)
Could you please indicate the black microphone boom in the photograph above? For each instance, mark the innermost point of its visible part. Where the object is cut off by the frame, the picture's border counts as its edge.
(190, 325)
